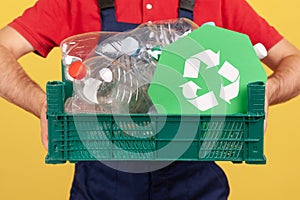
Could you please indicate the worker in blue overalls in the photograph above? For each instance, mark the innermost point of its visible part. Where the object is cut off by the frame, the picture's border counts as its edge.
(178, 180)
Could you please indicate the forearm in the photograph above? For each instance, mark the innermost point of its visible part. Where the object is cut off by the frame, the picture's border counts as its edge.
(16, 86)
(284, 83)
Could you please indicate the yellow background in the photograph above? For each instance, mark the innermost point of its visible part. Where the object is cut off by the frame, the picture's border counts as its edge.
(23, 174)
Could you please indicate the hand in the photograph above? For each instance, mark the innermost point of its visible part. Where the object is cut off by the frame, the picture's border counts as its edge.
(268, 91)
(44, 125)
(266, 112)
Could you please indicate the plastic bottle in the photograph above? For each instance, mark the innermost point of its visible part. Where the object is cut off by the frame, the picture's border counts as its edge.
(144, 38)
(112, 85)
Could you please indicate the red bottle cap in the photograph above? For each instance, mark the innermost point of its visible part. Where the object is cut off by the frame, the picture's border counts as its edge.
(77, 70)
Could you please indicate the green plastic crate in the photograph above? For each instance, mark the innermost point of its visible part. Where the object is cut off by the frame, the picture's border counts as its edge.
(86, 137)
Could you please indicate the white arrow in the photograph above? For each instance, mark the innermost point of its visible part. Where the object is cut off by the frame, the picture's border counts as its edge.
(90, 89)
(205, 102)
(191, 67)
(189, 89)
(210, 58)
(229, 72)
(230, 91)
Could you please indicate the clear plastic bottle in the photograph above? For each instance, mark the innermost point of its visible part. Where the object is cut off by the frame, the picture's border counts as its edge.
(144, 38)
(113, 85)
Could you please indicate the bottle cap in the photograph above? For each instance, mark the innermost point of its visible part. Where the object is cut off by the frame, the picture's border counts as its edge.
(209, 24)
(106, 74)
(260, 50)
(130, 46)
(77, 70)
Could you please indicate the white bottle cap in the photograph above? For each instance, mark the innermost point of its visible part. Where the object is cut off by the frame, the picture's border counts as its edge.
(260, 50)
(209, 23)
(129, 46)
(106, 74)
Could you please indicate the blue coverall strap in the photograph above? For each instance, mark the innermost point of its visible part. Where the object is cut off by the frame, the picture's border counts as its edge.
(187, 5)
(109, 22)
(183, 4)
(106, 4)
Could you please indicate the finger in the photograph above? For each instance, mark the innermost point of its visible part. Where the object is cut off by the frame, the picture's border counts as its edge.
(45, 142)
(44, 126)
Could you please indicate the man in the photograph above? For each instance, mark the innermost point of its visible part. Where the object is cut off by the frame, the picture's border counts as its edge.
(45, 25)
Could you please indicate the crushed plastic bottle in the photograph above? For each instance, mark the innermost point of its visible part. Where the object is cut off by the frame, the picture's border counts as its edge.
(117, 76)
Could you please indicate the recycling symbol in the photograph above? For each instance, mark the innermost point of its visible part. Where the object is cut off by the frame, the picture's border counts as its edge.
(209, 100)
(203, 73)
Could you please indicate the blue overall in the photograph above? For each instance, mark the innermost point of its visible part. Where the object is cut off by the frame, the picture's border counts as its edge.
(180, 180)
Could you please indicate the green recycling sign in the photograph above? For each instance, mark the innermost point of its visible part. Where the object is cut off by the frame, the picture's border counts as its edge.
(206, 72)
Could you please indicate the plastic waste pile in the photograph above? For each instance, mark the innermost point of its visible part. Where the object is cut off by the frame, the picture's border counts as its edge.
(111, 71)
